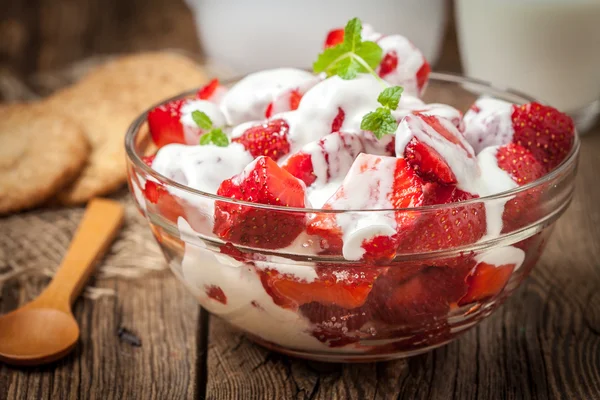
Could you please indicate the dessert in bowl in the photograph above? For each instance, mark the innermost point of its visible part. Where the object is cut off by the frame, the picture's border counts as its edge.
(338, 216)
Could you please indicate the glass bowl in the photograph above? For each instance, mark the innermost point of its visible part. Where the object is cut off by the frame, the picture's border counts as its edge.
(306, 300)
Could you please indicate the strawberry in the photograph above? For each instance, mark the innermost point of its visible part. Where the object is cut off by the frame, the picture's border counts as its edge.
(426, 296)
(167, 205)
(346, 287)
(388, 64)
(446, 228)
(216, 293)
(268, 139)
(428, 163)
(406, 191)
(208, 91)
(486, 281)
(334, 37)
(523, 168)
(336, 125)
(287, 101)
(148, 160)
(300, 165)
(423, 75)
(263, 182)
(335, 325)
(165, 125)
(543, 130)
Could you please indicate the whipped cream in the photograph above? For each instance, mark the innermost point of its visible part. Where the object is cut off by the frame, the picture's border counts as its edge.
(410, 61)
(488, 123)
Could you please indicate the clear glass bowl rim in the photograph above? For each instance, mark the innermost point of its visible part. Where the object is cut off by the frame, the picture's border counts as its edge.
(565, 165)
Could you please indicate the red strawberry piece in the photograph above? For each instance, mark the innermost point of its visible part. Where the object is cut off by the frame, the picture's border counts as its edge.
(268, 139)
(423, 75)
(388, 64)
(166, 204)
(334, 37)
(207, 91)
(523, 168)
(291, 100)
(336, 125)
(424, 297)
(216, 293)
(428, 163)
(165, 125)
(543, 130)
(148, 160)
(335, 325)
(449, 227)
(300, 165)
(346, 287)
(262, 182)
(486, 281)
(406, 192)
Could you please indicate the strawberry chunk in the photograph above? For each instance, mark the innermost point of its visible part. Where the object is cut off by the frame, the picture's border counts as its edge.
(268, 139)
(423, 76)
(428, 163)
(523, 168)
(167, 205)
(289, 100)
(338, 121)
(165, 124)
(426, 296)
(148, 160)
(216, 293)
(300, 165)
(373, 182)
(334, 325)
(334, 37)
(485, 281)
(389, 63)
(445, 228)
(263, 182)
(208, 91)
(346, 287)
(543, 130)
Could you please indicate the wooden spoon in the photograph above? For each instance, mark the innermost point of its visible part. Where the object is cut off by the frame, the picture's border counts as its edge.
(45, 330)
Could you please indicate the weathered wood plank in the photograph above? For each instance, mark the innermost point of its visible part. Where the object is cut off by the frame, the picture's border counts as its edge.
(543, 343)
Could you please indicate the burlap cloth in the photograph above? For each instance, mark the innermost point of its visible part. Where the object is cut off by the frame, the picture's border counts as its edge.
(33, 243)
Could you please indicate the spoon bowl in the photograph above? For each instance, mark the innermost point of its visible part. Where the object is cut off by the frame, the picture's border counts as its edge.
(45, 330)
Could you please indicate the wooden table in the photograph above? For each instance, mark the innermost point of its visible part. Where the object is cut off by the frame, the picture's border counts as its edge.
(543, 343)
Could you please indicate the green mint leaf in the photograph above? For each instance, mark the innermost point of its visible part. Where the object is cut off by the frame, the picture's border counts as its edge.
(347, 68)
(201, 119)
(390, 97)
(371, 53)
(216, 137)
(327, 59)
(352, 33)
(380, 122)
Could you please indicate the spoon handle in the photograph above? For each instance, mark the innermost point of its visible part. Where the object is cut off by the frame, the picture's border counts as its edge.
(98, 228)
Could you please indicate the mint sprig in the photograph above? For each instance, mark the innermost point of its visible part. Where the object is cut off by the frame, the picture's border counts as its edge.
(351, 56)
(381, 121)
(215, 135)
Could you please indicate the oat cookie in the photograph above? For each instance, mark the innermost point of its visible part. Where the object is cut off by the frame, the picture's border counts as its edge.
(40, 152)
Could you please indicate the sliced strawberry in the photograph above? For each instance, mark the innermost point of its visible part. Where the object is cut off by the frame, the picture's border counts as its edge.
(450, 227)
(165, 125)
(216, 293)
(543, 130)
(300, 165)
(148, 160)
(268, 139)
(346, 287)
(338, 121)
(368, 174)
(166, 204)
(263, 182)
(287, 101)
(334, 37)
(428, 163)
(423, 75)
(335, 325)
(208, 90)
(523, 168)
(486, 281)
(388, 64)
(335, 151)
(425, 296)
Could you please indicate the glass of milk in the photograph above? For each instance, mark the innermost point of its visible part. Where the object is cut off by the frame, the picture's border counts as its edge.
(549, 49)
